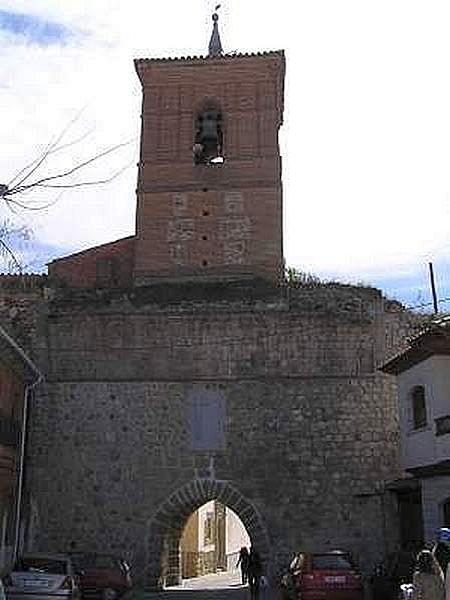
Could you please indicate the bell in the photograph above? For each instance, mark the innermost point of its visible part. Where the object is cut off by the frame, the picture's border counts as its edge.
(209, 129)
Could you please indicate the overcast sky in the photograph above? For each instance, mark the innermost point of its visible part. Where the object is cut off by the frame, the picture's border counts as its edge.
(365, 144)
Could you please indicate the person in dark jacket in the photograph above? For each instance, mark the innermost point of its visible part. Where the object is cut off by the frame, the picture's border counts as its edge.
(254, 572)
(243, 562)
(441, 549)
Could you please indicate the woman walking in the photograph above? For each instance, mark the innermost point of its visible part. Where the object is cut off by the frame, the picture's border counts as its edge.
(428, 580)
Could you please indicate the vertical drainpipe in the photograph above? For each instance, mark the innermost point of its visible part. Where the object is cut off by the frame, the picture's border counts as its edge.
(27, 394)
(30, 367)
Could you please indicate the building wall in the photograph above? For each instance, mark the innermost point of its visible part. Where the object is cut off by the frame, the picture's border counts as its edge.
(422, 447)
(16, 374)
(203, 541)
(236, 538)
(435, 491)
(441, 403)
(206, 533)
(189, 547)
(11, 403)
(22, 307)
(310, 428)
(109, 265)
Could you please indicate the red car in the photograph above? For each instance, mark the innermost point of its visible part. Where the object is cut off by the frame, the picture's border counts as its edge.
(102, 576)
(322, 576)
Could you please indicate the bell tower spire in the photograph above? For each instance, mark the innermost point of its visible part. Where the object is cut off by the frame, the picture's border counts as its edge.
(215, 45)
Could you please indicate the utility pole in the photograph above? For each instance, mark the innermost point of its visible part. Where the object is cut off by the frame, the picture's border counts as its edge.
(433, 288)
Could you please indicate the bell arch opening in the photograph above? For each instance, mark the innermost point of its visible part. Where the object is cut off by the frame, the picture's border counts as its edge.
(209, 133)
(165, 532)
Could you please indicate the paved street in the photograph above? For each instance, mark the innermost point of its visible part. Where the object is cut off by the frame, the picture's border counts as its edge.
(225, 586)
(219, 581)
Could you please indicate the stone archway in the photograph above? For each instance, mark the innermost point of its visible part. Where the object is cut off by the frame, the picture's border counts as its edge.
(167, 525)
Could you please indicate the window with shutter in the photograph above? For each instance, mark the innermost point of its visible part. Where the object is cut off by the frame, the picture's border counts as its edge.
(419, 409)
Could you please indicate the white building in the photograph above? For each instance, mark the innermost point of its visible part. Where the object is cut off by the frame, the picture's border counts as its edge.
(423, 375)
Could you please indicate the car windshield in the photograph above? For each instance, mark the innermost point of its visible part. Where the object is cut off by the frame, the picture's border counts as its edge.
(331, 562)
(42, 565)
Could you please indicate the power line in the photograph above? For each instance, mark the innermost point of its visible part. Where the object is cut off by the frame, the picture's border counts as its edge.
(424, 304)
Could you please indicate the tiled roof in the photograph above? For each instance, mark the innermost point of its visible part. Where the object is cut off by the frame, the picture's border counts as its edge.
(223, 57)
(433, 339)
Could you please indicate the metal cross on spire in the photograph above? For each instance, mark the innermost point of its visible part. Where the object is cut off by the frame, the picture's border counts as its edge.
(215, 45)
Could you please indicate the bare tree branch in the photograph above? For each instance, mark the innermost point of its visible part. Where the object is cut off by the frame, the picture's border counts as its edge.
(16, 193)
(6, 248)
(88, 183)
(10, 231)
(46, 153)
(19, 189)
(7, 193)
(48, 150)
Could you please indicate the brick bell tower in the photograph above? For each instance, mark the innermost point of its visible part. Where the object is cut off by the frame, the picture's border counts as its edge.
(209, 195)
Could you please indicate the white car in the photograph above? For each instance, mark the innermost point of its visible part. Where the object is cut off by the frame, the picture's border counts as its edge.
(43, 577)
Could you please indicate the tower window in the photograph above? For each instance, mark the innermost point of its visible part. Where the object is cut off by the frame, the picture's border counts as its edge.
(208, 141)
(418, 407)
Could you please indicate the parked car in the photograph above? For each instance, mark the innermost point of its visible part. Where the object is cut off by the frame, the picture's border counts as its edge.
(322, 575)
(103, 576)
(43, 577)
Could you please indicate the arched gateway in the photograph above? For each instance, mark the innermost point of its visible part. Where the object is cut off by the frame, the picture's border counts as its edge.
(166, 526)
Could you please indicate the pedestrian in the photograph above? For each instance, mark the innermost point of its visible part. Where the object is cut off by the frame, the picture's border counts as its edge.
(243, 561)
(428, 580)
(441, 549)
(254, 573)
(441, 552)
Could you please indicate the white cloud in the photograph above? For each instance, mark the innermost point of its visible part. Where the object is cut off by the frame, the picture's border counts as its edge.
(365, 142)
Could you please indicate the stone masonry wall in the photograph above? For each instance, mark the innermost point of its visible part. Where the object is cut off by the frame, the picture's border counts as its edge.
(311, 430)
(22, 303)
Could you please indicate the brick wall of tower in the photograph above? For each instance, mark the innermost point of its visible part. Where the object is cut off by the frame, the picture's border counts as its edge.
(210, 220)
(208, 231)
